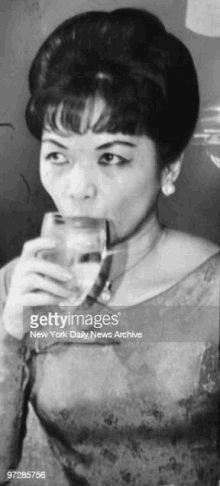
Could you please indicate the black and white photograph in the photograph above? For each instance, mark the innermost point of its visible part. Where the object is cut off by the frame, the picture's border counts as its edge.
(110, 243)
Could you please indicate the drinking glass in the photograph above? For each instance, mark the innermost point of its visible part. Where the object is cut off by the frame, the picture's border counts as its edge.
(80, 249)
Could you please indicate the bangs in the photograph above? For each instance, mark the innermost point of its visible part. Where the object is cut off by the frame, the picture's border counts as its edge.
(92, 113)
(80, 115)
(103, 104)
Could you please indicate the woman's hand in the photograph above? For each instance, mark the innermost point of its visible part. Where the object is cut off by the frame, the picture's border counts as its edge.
(35, 282)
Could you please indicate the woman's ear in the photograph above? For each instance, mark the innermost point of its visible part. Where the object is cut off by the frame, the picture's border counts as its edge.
(170, 175)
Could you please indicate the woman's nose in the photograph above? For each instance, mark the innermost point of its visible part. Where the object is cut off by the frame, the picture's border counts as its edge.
(80, 184)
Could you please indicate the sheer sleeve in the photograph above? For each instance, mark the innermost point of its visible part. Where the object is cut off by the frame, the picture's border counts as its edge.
(14, 377)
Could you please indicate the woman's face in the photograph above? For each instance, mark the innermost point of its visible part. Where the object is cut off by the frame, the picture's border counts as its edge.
(113, 176)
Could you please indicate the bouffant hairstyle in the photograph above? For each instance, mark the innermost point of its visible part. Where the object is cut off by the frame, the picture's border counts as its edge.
(144, 74)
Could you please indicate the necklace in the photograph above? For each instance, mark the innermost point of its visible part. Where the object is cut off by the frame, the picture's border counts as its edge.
(107, 290)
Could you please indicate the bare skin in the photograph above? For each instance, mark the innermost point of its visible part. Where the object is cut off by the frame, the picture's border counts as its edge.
(175, 256)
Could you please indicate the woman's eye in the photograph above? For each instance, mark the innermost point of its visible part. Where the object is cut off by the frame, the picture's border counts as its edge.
(113, 159)
(56, 158)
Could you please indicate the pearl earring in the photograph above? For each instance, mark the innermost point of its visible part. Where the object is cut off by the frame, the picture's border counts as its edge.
(168, 189)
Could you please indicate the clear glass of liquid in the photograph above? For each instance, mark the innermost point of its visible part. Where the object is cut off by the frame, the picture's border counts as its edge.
(80, 248)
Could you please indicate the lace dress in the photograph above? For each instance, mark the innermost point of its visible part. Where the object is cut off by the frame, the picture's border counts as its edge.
(138, 409)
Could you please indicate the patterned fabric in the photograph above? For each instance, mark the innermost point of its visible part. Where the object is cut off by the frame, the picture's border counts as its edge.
(138, 412)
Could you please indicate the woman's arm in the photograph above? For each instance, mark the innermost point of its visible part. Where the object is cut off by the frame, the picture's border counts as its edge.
(34, 282)
(14, 377)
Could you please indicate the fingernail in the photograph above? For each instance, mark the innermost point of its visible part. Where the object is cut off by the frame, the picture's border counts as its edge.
(50, 245)
(62, 304)
(67, 276)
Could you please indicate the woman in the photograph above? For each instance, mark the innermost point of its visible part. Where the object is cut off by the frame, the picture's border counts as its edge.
(114, 102)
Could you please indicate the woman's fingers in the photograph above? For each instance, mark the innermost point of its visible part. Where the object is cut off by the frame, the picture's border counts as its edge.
(43, 267)
(39, 299)
(32, 247)
(36, 282)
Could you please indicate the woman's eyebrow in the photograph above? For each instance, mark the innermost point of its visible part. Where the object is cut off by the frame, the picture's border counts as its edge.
(51, 140)
(115, 142)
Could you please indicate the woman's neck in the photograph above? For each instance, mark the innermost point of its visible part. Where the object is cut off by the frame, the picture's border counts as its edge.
(127, 256)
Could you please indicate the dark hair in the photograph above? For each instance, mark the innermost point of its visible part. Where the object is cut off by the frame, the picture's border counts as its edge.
(145, 75)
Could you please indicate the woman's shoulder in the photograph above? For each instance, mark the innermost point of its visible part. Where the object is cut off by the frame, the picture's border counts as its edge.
(184, 253)
(192, 244)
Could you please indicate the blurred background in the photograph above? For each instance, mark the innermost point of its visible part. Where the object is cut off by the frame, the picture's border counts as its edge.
(24, 24)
